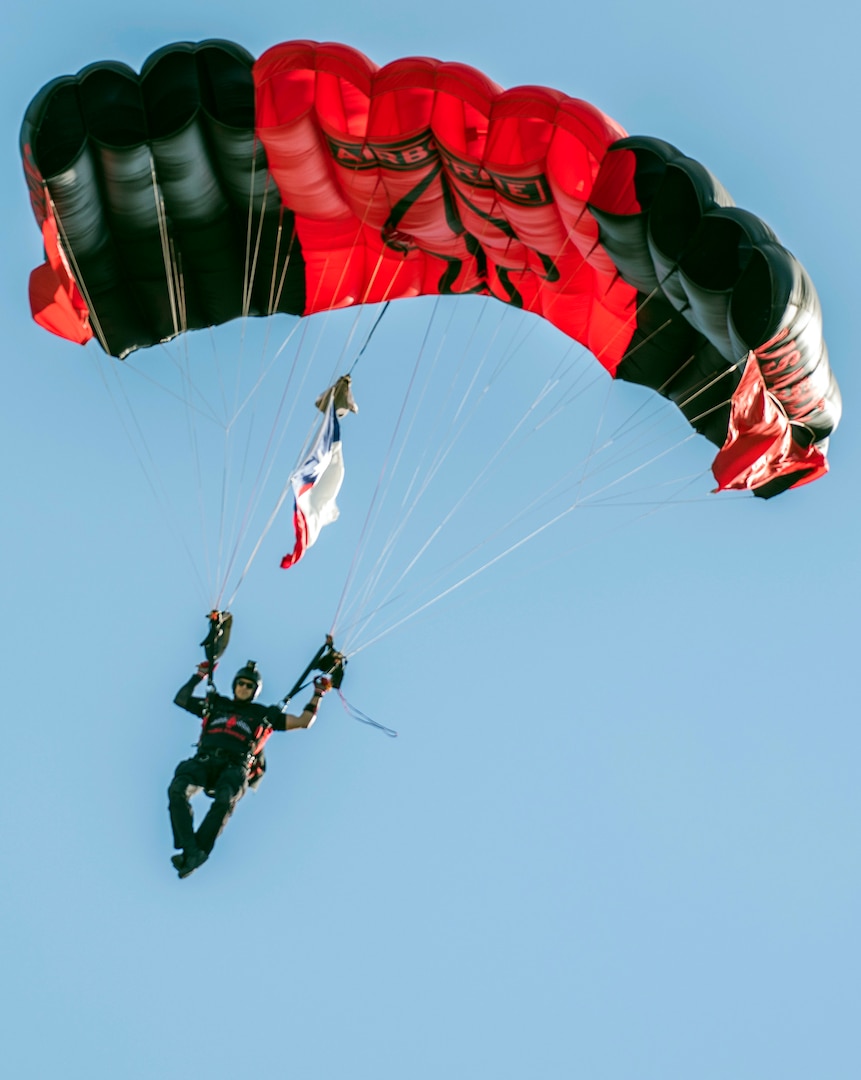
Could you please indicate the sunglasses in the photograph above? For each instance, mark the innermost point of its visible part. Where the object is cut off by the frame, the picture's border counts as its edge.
(245, 682)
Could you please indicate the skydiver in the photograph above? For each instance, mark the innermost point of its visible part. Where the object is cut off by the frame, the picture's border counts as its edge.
(229, 756)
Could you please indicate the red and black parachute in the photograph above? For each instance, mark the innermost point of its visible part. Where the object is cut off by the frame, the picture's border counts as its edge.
(212, 186)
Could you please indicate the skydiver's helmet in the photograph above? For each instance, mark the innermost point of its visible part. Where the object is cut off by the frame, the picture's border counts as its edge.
(250, 673)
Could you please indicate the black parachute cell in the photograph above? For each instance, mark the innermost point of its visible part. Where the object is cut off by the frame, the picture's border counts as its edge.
(103, 137)
(714, 285)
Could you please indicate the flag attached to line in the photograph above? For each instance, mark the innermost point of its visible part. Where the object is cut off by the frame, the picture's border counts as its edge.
(318, 479)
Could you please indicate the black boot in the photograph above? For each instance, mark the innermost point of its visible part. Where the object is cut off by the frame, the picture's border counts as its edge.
(189, 861)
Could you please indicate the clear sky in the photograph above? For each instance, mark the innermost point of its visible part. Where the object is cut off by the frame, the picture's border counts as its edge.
(617, 836)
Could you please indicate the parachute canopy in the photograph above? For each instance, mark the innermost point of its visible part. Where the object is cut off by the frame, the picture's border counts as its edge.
(212, 186)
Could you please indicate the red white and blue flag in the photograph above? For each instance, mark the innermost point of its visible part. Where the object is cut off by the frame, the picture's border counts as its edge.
(316, 484)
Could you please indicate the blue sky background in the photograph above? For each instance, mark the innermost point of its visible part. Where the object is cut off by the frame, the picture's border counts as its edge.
(617, 836)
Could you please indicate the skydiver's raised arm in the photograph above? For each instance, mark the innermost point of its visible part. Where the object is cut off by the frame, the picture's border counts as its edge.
(184, 695)
(306, 718)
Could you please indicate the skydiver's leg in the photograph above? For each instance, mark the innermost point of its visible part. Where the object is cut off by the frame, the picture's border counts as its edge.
(229, 789)
(189, 778)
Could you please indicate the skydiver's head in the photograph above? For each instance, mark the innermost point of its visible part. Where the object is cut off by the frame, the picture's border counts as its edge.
(247, 682)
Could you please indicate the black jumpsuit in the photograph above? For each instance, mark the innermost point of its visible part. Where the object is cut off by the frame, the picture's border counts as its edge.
(233, 735)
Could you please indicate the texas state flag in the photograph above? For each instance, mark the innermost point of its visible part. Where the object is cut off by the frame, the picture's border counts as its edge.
(316, 484)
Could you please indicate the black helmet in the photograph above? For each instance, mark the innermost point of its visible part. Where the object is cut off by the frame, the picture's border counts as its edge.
(250, 673)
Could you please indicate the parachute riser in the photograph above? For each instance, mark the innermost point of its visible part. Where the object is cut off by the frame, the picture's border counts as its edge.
(326, 659)
(214, 644)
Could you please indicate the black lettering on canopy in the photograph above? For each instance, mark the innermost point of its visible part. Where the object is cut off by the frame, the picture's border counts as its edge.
(404, 155)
